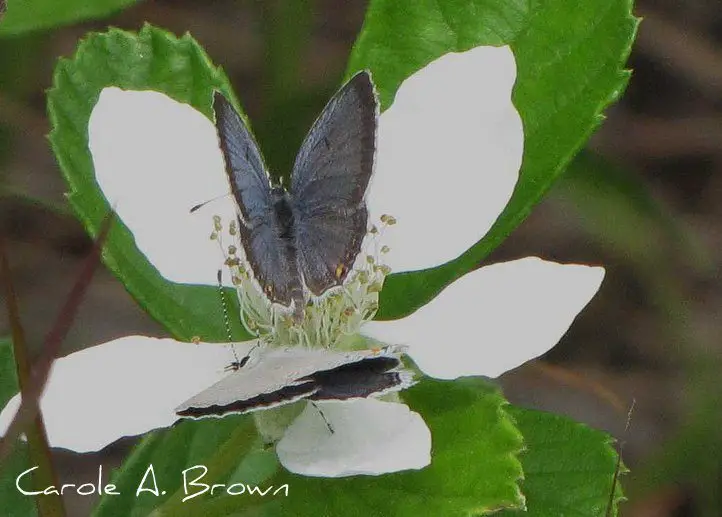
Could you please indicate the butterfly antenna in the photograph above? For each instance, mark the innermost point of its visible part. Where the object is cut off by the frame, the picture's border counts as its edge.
(227, 322)
(620, 450)
(197, 207)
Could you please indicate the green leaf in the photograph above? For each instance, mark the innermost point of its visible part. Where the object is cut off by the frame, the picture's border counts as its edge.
(218, 444)
(8, 373)
(30, 15)
(152, 59)
(19, 73)
(474, 467)
(569, 68)
(568, 467)
(14, 503)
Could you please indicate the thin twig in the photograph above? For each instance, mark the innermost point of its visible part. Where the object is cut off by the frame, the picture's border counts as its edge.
(38, 446)
(619, 461)
(29, 406)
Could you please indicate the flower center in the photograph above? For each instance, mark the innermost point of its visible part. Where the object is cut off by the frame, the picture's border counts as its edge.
(331, 320)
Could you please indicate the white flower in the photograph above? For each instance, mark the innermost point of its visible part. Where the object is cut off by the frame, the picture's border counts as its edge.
(449, 152)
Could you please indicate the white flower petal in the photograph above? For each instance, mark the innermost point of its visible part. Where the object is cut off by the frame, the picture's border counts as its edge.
(449, 152)
(494, 318)
(369, 437)
(122, 388)
(154, 159)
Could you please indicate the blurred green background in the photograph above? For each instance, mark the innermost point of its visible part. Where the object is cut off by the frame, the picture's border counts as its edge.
(643, 200)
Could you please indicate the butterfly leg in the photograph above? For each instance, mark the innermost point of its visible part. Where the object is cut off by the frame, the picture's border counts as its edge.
(325, 420)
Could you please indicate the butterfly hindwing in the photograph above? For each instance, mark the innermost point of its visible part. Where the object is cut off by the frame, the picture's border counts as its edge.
(283, 376)
(269, 251)
(328, 184)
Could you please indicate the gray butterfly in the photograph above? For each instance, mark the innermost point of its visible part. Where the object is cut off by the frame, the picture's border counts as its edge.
(283, 376)
(304, 239)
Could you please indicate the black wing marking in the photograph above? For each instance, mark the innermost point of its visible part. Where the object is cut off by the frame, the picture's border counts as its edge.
(361, 379)
(328, 184)
(268, 247)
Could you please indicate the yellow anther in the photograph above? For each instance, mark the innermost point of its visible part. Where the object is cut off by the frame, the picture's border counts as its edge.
(374, 288)
(341, 270)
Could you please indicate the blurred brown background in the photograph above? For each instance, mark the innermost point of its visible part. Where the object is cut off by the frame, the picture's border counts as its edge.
(654, 219)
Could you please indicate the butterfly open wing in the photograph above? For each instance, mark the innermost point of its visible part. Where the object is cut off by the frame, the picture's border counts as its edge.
(270, 254)
(328, 184)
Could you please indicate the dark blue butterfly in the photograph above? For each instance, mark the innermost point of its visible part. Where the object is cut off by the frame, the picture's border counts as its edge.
(304, 239)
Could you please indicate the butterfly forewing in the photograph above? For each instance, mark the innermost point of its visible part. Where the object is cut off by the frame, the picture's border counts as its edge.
(268, 248)
(328, 183)
(244, 164)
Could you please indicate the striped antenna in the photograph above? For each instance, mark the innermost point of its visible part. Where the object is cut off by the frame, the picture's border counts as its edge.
(237, 364)
(197, 207)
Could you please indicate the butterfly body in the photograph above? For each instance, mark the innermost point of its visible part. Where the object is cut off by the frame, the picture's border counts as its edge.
(303, 241)
(284, 213)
